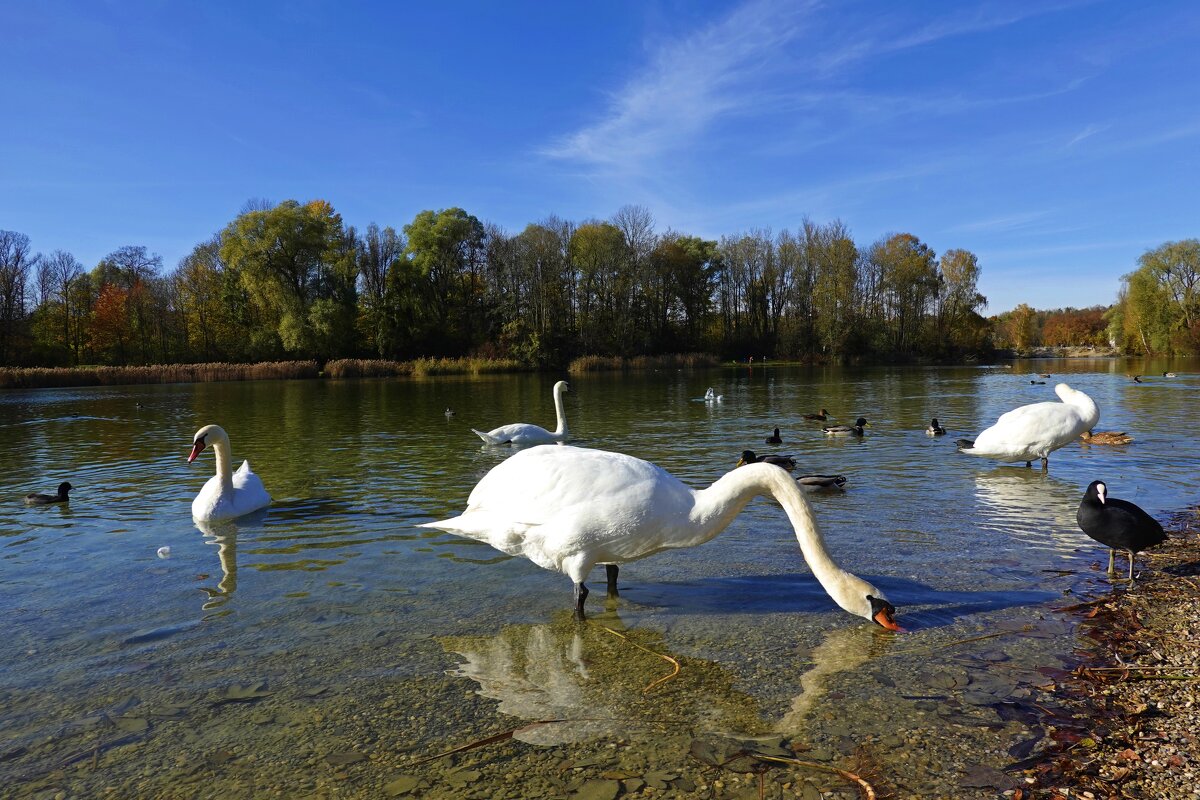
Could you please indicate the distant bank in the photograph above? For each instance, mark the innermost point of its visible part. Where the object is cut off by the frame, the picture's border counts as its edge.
(58, 377)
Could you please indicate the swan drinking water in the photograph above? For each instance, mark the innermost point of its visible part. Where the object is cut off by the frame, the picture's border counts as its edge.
(1036, 430)
(569, 509)
(227, 494)
(524, 433)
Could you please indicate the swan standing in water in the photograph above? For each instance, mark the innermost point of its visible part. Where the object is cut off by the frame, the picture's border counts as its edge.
(569, 509)
(1036, 430)
(524, 433)
(227, 494)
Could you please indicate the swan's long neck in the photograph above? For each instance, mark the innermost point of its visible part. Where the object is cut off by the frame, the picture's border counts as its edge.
(561, 430)
(220, 449)
(717, 506)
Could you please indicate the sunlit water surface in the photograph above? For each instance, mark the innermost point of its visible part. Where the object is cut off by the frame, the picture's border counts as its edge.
(321, 647)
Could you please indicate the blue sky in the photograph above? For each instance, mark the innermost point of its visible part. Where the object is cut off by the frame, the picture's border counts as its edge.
(1057, 141)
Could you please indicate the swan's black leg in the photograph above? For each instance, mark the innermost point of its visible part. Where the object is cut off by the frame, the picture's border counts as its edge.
(581, 593)
(1028, 465)
(611, 571)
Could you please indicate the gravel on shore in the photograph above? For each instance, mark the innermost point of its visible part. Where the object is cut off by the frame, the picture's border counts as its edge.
(1126, 718)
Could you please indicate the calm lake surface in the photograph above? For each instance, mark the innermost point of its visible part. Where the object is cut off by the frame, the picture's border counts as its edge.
(324, 646)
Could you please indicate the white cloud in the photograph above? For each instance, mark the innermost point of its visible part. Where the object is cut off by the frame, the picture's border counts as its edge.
(688, 84)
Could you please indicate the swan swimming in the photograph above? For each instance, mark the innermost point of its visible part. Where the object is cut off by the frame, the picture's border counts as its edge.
(1036, 430)
(569, 509)
(227, 494)
(524, 433)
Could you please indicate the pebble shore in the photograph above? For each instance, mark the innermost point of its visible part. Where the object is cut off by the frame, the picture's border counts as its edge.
(1131, 727)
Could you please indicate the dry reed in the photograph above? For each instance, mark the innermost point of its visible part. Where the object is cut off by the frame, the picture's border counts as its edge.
(669, 361)
(359, 368)
(56, 377)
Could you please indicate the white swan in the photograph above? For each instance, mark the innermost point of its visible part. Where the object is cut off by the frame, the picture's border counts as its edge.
(227, 494)
(569, 508)
(524, 433)
(1036, 430)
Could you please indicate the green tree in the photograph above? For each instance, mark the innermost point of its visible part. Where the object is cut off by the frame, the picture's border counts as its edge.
(297, 263)
(445, 269)
(598, 253)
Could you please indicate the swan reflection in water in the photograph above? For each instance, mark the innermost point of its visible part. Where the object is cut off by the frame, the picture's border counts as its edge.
(1034, 508)
(223, 534)
(595, 681)
(841, 650)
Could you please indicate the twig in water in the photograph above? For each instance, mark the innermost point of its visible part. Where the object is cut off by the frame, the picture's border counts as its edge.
(666, 658)
(499, 737)
(868, 792)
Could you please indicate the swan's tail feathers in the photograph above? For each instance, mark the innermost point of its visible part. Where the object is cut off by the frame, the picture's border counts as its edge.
(964, 444)
(244, 468)
(487, 438)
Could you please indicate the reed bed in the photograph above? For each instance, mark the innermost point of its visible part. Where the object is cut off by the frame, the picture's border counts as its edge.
(366, 368)
(57, 377)
(379, 368)
(668, 361)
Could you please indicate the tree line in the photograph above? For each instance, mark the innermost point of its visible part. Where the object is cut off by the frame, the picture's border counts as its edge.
(293, 281)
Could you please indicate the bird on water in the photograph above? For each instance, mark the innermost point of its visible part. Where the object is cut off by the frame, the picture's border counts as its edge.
(46, 499)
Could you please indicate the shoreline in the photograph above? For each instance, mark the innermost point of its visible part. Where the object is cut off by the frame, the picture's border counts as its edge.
(1124, 719)
(348, 368)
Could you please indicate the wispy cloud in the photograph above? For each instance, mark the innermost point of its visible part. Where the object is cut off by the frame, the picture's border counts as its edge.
(686, 86)
(1003, 223)
(1091, 130)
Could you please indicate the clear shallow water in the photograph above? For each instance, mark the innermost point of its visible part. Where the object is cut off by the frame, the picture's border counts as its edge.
(321, 646)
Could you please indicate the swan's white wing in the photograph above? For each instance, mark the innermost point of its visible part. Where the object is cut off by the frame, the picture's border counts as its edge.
(550, 504)
(248, 495)
(1030, 431)
(518, 433)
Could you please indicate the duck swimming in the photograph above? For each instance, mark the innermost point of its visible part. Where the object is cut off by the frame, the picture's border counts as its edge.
(847, 430)
(824, 415)
(1106, 437)
(46, 499)
(748, 457)
(934, 429)
(775, 438)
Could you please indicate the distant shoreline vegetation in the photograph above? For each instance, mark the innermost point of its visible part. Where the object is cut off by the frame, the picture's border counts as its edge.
(292, 281)
(340, 369)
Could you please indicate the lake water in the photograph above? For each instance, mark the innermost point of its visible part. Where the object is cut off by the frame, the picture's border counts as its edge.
(323, 647)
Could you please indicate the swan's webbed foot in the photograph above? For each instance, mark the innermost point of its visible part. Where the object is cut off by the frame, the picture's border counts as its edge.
(610, 570)
(581, 593)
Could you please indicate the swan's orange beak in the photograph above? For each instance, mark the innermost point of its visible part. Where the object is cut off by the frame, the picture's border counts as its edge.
(884, 613)
(196, 448)
(887, 618)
